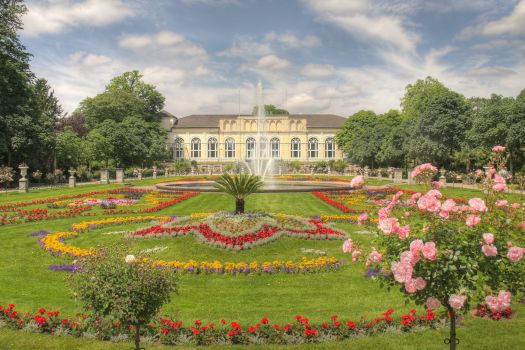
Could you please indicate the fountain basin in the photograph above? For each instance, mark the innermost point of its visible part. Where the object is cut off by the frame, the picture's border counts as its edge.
(269, 187)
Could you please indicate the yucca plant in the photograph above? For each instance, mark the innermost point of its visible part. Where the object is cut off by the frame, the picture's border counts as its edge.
(239, 186)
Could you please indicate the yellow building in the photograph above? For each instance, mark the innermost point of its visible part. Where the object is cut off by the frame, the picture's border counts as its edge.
(218, 139)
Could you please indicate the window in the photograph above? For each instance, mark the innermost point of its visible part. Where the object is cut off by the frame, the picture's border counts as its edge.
(250, 148)
(212, 148)
(178, 148)
(229, 148)
(296, 148)
(263, 148)
(196, 148)
(275, 147)
(313, 148)
(329, 148)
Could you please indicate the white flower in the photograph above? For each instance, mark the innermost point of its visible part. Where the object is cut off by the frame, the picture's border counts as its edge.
(130, 258)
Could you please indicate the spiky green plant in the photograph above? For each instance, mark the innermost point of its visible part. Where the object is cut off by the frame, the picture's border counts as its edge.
(239, 186)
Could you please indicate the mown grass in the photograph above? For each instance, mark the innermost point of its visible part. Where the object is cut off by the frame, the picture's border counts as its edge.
(26, 280)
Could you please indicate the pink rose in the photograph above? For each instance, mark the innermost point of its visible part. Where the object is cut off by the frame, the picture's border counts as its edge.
(414, 198)
(388, 225)
(449, 205)
(420, 283)
(403, 232)
(499, 303)
(355, 255)
(347, 245)
(477, 204)
(515, 254)
(498, 148)
(437, 184)
(499, 187)
(444, 214)
(479, 172)
(375, 257)
(430, 251)
(457, 301)
(411, 286)
(522, 225)
(515, 205)
(429, 203)
(406, 214)
(433, 303)
(488, 238)
(362, 218)
(489, 250)
(407, 257)
(384, 213)
(357, 181)
(434, 193)
(416, 246)
(501, 203)
(402, 271)
(473, 220)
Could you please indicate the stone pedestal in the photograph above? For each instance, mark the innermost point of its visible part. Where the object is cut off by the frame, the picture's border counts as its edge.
(139, 177)
(104, 176)
(280, 170)
(72, 181)
(166, 172)
(329, 170)
(154, 172)
(23, 183)
(398, 175)
(119, 175)
(442, 178)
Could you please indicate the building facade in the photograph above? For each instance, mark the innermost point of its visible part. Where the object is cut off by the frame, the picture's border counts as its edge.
(219, 139)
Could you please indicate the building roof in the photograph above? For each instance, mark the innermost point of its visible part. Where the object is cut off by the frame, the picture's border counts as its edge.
(212, 120)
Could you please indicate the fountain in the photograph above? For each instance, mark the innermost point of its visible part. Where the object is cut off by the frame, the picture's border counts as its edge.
(259, 161)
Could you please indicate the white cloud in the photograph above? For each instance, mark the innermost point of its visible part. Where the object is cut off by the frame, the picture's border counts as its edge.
(245, 47)
(366, 23)
(317, 70)
(164, 38)
(55, 16)
(272, 63)
(513, 24)
(293, 41)
(91, 59)
(492, 72)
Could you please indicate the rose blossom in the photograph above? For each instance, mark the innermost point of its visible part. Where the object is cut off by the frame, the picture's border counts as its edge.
(429, 203)
(406, 214)
(407, 257)
(449, 205)
(489, 250)
(356, 254)
(420, 283)
(375, 257)
(437, 184)
(388, 225)
(501, 203)
(433, 303)
(515, 205)
(347, 245)
(498, 148)
(473, 220)
(416, 246)
(488, 238)
(515, 254)
(434, 193)
(457, 301)
(411, 286)
(357, 181)
(384, 213)
(414, 198)
(403, 232)
(499, 303)
(499, 187)
(429, 251)
(402, 271)
(477, 204)
(362, 218)
(130, 258)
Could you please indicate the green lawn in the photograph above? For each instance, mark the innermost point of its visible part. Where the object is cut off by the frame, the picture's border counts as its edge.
(27, 282)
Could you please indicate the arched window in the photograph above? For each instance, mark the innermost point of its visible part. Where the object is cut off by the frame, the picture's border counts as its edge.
(329, 148)
(178, 148)
(229, 148)
(250, 147)
(212, 147)
(196, 148)
(275, 147)
(296, 148)
(263, 148)
(313, 148)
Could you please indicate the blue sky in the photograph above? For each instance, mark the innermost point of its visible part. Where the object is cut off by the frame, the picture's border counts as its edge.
(313, 56)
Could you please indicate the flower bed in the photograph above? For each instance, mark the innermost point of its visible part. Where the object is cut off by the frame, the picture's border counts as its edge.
(170, 331)
(241, 232)
(135, 201)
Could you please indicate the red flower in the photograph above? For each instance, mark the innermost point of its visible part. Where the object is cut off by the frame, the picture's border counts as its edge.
(235, 325)
(351, 325)
(264, 320)
(298, 317)
(223, 321)
(164, 331)
(232, 333)
(11, 306)
(196, 332)
(287, 327)
(252, 329)
(276, 326)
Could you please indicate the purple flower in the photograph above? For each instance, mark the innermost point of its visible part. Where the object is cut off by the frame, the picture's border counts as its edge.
(38, 233)
(64, 267)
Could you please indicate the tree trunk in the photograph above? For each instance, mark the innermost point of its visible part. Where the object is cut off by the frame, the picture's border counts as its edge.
(452, 340)
(137, 337)
(239, 206)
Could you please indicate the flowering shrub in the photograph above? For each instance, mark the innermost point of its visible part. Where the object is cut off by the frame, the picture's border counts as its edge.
(128, 290)
(460, 255)
(171, 331)
(424, 174)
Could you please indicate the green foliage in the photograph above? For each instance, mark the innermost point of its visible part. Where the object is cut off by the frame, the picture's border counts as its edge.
(131, 291)
(70, 148)
(270, 110)
(239, 186)
(181, 166)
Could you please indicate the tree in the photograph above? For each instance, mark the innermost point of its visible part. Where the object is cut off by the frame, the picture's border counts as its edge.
(70, 149)
(75, 121)
(270, 110)
(239, 186)
(420, 95)
(126, 95)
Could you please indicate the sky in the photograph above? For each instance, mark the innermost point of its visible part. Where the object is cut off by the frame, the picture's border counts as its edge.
(312, 56)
